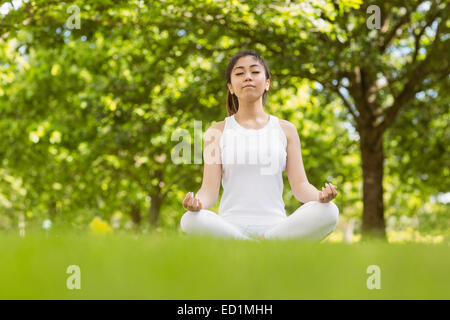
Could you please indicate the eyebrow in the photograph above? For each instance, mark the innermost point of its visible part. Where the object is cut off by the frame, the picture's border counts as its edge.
(253, 65)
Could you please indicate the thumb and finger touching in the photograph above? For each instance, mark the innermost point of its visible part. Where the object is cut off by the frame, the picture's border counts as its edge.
(191, 203)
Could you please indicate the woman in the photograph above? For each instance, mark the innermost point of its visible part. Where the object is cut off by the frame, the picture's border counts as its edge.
(252, 205)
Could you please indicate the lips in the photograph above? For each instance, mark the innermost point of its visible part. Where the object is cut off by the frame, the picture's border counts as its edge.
(249, 86)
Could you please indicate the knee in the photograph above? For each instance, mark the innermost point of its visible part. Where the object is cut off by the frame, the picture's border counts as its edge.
(189, 219)
(329, 212)
(186, 220)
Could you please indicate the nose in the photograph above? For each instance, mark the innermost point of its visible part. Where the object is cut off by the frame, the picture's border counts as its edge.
(248, 75)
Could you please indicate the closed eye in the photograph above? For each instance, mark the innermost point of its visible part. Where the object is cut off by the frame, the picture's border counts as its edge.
(243, 73)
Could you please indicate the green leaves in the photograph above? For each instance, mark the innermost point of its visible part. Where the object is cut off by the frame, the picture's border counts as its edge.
(108, 96)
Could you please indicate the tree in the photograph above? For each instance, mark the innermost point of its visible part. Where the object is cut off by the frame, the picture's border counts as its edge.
(133, 72)
(330, 43)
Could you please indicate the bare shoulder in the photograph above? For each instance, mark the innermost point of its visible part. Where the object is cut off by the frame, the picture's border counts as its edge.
(214, 132)
(290, 130)
(219, 125)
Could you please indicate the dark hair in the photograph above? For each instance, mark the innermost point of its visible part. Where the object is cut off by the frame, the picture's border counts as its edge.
(232, 100)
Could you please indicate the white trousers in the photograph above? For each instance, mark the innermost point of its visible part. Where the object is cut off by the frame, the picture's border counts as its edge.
(311, 221)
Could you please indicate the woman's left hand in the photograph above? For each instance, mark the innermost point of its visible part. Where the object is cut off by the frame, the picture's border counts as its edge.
(328, 193)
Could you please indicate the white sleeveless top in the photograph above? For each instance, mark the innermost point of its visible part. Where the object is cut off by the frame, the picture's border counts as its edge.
(253, 161)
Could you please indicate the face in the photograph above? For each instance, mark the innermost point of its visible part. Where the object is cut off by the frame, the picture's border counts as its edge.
(248, 79)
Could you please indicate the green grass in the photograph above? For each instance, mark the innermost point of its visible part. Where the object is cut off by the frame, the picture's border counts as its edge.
(176, 266)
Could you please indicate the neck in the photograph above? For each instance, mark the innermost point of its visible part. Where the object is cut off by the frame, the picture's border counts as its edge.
(251, 110)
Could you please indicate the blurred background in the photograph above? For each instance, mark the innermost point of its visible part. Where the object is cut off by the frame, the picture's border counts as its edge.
(95, 96)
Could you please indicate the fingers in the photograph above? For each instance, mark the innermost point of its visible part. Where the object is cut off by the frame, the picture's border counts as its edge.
(197, 204)
(187, 201)
(333, 190)
(192, 203)
(328, 192)
(325, 193)
(321, 197)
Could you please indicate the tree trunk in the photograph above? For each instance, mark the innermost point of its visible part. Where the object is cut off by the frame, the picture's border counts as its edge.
(52, 209)
(155, 209)
(135, 213)
(371, 144)
(156, 197)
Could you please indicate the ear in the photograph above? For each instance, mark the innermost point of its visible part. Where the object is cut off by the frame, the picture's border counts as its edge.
(230, 87)
(267, 85)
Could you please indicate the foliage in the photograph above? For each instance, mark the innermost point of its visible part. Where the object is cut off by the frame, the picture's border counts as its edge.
(87, 115)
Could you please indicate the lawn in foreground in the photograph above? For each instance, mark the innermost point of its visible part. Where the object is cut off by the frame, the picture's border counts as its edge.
(176, 266)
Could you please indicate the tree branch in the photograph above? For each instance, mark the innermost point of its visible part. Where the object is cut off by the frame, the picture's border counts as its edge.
(417, 37)
(358, 90)
(389, 38)
(409, 89)
(347, 104)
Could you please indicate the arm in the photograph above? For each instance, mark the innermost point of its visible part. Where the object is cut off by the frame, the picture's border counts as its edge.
(301, 188)
(212, 169)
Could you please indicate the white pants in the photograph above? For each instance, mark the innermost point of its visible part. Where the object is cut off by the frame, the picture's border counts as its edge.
(311, 221)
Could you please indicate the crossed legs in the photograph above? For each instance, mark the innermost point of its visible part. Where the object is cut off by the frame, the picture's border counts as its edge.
(311, 221)
(205, 222)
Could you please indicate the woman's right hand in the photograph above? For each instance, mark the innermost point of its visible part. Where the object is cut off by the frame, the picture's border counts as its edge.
(190, 203)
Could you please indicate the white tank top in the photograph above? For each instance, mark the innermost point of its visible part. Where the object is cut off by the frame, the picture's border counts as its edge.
(253, 161)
